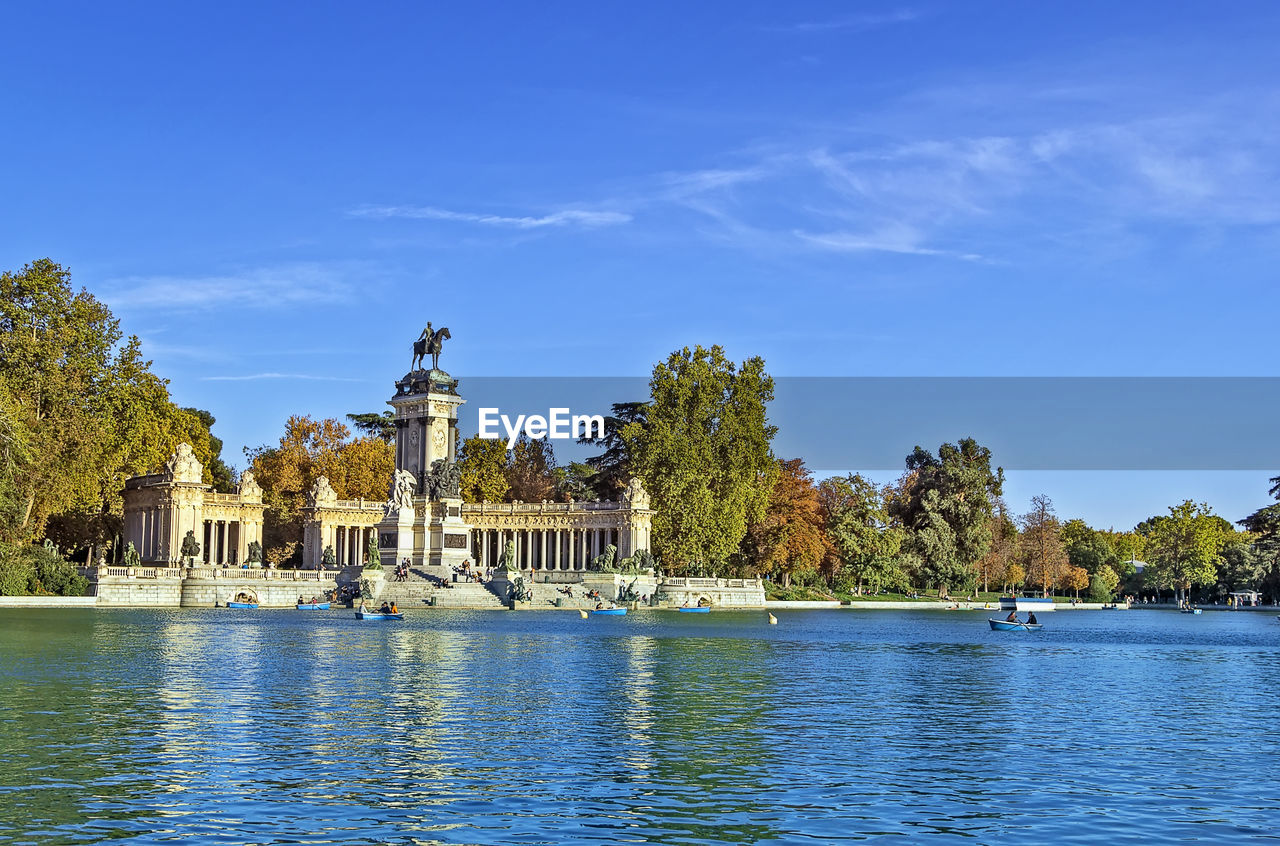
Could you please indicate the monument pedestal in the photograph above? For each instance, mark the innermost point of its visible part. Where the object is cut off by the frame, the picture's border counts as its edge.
(448, 536)
(396, 538)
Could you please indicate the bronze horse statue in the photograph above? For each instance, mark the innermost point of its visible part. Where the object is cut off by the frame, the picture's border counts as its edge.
(430, 343)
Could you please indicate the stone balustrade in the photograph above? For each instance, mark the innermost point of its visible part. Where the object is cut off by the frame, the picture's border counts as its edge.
(229, 573)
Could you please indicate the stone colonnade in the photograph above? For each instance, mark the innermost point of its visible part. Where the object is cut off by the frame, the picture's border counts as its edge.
(544, 549)
(161, 507)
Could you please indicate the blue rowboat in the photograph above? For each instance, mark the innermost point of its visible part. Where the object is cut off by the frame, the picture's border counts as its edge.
(242, 605)
(313, 606)
(1006, 626)
(694, 610)
(613, 612)
(374, 615)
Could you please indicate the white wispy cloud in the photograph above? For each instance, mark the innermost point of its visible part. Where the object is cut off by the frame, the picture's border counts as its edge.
(892, 239)
(264, 287)
(584, 218)
(253, 377)
(854, 23)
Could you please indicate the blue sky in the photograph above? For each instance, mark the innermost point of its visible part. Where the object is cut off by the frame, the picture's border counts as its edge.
(276, 197)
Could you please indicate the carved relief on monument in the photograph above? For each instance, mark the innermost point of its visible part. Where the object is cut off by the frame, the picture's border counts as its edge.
(439, 437)
(183, 466)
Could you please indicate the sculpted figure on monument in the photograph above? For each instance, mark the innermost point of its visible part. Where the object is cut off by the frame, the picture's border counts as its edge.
(249, 487)
(322, 492)
(131, 556)
(430, 342)
(635, 495)
(444, 480)
(401, 493)
(183, 466)
(190, 547)
(255, 553)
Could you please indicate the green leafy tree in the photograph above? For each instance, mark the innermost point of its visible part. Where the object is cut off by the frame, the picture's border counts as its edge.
(1087, 547)
(482, 463)
(84, 406)
(221, 476)
(945, 504)
(864, 542)
(381, 426)
(1185, 548)
(614, 467)
(1102, 584)
(703, 454)
(576, 481)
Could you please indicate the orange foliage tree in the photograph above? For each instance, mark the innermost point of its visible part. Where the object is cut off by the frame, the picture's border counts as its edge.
(357, 468)
(791, 538)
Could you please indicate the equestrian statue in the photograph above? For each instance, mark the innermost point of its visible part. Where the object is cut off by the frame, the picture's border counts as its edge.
(429, 343)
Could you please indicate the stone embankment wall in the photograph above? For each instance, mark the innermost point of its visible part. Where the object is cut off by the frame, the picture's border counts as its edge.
(721, 593)
(203, 587)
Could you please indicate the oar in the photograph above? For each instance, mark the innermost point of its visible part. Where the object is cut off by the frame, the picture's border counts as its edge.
(773, 621)
(583, 613)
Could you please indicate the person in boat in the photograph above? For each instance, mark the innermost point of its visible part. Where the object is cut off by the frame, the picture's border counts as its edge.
(299, 599)
(1031, 618)
(362, 608)
(394, 609)
(1013, 617)
(384, 608)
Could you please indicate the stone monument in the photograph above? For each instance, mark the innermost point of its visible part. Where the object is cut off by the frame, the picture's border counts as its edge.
(422, 519)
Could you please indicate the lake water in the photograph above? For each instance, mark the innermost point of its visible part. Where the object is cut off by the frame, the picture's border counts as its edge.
(165, 726)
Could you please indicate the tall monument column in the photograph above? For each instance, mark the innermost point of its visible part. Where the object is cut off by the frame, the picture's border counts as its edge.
(424, 521)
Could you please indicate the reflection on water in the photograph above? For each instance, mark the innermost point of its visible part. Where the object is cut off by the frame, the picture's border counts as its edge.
(159, 726)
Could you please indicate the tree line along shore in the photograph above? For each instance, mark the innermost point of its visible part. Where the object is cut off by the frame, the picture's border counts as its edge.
(81, 410)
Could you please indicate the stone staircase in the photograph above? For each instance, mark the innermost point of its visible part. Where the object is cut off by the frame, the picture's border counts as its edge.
(421, 591)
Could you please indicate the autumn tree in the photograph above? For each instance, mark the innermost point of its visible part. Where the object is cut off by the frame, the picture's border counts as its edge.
(789, 539)
(1004, 544)
(530, 469)
(1041, 550)
(1075, 579)
(703, 454)
(482, 463)
(359, 468)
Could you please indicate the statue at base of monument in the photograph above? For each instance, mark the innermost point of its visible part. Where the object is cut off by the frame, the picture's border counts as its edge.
(444, 481)
(131, 558)
(255, 553)
(401, 493)
(190, 547)
(372, 559)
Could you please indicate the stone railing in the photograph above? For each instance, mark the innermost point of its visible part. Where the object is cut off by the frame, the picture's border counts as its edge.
(234, 573)
(693, 582)
(539, 507)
